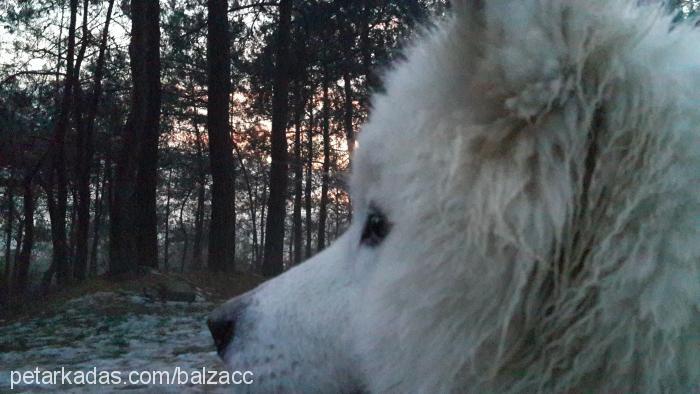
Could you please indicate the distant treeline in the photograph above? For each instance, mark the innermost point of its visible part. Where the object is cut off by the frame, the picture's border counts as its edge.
(182, 135)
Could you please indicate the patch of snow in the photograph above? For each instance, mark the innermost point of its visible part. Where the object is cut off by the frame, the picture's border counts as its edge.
(112, 331)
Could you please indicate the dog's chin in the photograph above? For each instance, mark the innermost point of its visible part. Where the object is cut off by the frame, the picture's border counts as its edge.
(275, 371)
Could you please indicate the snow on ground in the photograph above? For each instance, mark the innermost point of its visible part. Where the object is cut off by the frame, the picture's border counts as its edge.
(112, 331)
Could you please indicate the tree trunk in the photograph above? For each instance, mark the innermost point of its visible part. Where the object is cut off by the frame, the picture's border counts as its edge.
(201, 194)
(290, 248)
(22, 272)
(348, 115)
(72, 228)
(348, 39)
(371, 80)
(274, 239)
(298, 177)
(222, 252)
(183, 229)
(166, 248)
(97, 221)
(85, 150)
(323, 209)
(133, 227)
(8, 238)
(336, 227)
(309, 180)
(19, 238)
(263, 207)
(78, 263)
(145, 65)
(122, 211)
(58, 171)
(251, 203)
(53, 211)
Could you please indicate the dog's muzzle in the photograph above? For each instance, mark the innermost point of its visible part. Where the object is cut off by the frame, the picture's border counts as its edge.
(223, 320)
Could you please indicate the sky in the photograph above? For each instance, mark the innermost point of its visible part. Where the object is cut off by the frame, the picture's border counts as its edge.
(13, 59)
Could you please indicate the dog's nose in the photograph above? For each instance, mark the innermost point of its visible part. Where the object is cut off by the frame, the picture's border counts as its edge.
(222, 331)
(223, 322)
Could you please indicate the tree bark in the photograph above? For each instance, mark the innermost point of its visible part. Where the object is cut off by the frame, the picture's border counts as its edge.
(134, 222)
(371, 80)
(78, 125)
(323, 209)
(201, 194)
(309, 180)
(19, 238)
(8, 238)
(348, 39)
(298, 177)
(122, 243)
(348, 115)
(263, 207)
(47, 278)
(22, 272)
(222, 252)
(273, 263)
(85, 150)
(252, 205)
(145, 58)
(71, 229)
(166, 248)
(58, 171)
(183, 229)
(97, 221)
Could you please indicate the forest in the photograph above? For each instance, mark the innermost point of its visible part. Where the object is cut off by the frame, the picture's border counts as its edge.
(182, 135)
(180, 151)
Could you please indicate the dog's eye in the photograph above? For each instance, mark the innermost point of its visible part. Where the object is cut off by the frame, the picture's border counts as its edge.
(376, 229)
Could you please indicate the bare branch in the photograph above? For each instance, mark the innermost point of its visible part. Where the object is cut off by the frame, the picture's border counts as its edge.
(11, 77)
(201, 26)
(262, 4)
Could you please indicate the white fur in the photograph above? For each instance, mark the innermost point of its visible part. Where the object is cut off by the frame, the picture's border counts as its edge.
(540, 163)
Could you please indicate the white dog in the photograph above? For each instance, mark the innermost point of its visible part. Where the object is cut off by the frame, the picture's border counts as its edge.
(527, 218)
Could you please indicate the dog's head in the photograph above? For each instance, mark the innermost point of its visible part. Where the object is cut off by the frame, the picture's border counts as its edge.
(512, 193)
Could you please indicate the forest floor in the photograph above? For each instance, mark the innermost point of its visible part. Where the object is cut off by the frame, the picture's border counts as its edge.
(129, 325)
